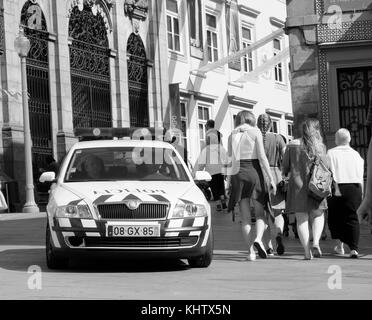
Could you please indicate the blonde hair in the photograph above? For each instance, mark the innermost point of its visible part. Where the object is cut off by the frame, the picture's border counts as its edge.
(312, 138)
(245, 117)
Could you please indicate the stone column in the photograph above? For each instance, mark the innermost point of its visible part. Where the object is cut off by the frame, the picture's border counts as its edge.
(121, 32)
(63, 98)
(11, 100)
(159, 54)
(301, 29)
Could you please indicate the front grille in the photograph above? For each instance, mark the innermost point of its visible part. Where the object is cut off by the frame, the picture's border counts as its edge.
(140, 242)
(119, 211)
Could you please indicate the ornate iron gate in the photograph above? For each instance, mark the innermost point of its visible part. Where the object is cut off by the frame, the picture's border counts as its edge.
(32, 18)
(355, 96)
(90, 69)
(137, 78)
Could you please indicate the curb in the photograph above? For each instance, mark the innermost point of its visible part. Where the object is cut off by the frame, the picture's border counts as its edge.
(21, 216)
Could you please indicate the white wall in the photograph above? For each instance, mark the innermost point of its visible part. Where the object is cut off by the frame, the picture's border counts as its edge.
(263, 90)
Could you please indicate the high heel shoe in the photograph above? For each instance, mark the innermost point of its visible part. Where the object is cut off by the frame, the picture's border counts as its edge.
(317, 253)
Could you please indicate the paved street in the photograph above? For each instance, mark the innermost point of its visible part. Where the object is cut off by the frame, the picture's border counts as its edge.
(230, 276)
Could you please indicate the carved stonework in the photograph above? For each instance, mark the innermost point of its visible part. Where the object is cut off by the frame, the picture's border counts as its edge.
(348, 31)
(136, 9)
(319, 7)
(323, 77)
(1, 32)
(33, 17)
(100, 7)
(345, 31)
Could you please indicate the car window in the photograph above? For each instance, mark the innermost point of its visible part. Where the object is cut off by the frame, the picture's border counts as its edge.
(125, 163)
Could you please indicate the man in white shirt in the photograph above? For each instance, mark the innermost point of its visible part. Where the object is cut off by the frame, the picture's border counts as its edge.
(347, 167)
(213, 159)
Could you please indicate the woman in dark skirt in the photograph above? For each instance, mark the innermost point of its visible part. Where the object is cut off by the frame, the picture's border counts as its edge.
(347, 168)
(248, 186)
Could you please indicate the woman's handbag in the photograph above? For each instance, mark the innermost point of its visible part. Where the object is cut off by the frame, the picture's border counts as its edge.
(320, 182)
(3, 204)
(283, 186)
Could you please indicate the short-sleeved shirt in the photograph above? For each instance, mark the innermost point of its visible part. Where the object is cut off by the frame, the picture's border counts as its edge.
(274, 149)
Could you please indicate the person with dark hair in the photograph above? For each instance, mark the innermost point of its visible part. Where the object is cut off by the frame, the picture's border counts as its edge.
(93, 167)
(248, 188)
(213, 136)
(213, 159)
(297, 163)
(274, 149)
(52, 164)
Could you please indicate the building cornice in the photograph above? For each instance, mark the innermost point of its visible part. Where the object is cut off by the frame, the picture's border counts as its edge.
(277, 22)
(198, 95)
(248, 11)
(241, 102)
(274, 112)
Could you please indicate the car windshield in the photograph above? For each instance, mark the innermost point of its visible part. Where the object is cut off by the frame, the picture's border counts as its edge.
(125, 163)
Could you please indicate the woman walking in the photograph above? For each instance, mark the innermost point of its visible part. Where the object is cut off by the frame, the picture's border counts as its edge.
(247, 152)
(347, 167)
(297, 162)
(274, 149)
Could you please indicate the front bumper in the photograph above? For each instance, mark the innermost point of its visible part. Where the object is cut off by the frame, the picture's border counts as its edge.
(180, 238)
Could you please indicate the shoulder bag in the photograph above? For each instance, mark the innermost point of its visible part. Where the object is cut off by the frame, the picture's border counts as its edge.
(320, 182)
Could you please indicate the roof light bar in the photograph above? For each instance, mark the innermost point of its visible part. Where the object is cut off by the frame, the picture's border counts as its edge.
(134, 133)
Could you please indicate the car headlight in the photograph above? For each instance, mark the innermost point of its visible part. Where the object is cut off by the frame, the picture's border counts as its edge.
(71, 211)
(189, 210)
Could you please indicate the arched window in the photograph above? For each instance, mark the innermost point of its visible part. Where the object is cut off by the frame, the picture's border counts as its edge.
(137, 82)
(90, 69)
(33, 21)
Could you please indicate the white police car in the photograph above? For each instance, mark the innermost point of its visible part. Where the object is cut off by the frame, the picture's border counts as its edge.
(135, 197)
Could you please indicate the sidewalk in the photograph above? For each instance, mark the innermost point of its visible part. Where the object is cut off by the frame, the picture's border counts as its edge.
(21, 216)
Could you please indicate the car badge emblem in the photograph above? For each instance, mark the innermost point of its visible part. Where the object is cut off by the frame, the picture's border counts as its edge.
(133, 204)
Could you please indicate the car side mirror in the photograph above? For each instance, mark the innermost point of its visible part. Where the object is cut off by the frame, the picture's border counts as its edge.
(49, 176)
(202, 175)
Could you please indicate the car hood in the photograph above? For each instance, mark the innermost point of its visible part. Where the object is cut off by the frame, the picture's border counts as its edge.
(118, 191)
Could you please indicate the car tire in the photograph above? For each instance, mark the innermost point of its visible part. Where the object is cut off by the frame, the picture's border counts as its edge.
(204, 260)
(53, 261)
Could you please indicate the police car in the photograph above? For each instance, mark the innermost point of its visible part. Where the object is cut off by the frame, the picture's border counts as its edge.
(131, 196)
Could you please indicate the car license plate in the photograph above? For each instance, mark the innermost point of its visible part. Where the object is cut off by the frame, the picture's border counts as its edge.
(133, 230)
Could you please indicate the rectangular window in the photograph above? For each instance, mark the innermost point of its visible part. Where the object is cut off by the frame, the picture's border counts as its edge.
(247, 41)
(212, 37)
(173, 28)
(275, 126)
(184, 124)
(203, 117)
(278, 70)
(290, 130)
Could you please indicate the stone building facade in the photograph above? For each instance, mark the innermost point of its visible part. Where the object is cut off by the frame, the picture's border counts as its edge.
(111, 63)
(331, 65)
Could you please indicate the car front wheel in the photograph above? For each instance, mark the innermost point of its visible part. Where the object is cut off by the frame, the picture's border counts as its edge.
(54, 261)
(204, 260)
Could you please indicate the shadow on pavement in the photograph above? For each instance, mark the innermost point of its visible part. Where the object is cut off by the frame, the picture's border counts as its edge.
(23, 232)
(22, 259)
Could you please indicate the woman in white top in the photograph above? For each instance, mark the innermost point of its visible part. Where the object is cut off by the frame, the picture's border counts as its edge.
(347, 167)
(248, 188)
